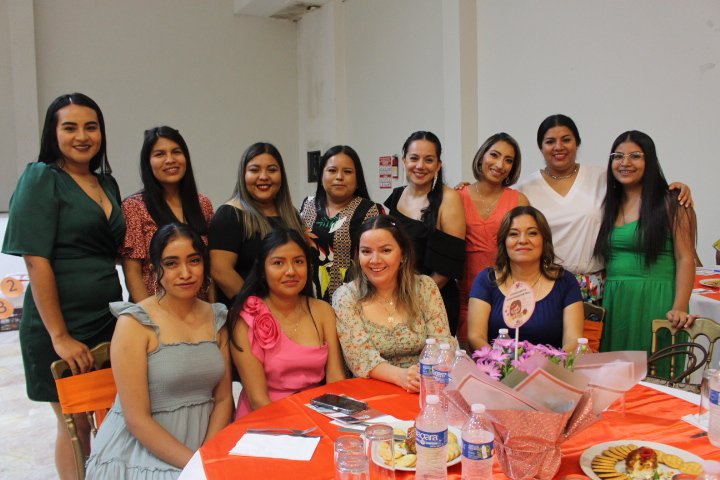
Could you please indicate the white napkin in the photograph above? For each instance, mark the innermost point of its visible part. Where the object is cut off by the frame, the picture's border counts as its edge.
(276, 446)
(698, 421)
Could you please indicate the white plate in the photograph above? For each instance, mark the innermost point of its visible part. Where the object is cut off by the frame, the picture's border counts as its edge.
(590, 453)
(404, 425)
(710, 282)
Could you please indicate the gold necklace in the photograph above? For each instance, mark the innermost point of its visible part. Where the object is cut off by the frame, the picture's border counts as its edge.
(284, 317)
(94, 186)
(489, 208)
(546, 171)
(531, 286)
(390, 314)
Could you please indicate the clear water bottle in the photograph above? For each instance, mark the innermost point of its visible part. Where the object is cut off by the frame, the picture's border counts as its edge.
(714, 410)
(441, 372)
(477, 445)
(431, 438)
(428, 359)
(502, 335)
(456, 416)
(580, 350)
(711, 470)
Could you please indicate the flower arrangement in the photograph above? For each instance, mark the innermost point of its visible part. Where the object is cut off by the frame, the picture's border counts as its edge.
(499, 360)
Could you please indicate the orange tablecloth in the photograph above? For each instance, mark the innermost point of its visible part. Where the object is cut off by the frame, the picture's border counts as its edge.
(650, 416)
(714, 295)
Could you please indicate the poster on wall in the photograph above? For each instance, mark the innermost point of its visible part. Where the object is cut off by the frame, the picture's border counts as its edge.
(385, 171)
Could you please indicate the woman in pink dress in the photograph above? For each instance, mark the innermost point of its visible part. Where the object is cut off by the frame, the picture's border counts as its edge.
(496, 166)
(282, 340)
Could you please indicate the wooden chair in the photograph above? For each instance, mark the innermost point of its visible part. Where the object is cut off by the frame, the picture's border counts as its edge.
(593, 328)
(703, 327)
(92, 393)
(690, 355)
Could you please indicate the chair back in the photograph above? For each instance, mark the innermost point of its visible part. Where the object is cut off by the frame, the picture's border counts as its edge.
(92, 393)
(690, 354)
(702, 327)
(593, 327)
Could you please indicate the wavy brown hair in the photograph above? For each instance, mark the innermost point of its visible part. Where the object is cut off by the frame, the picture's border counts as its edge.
(548, 266)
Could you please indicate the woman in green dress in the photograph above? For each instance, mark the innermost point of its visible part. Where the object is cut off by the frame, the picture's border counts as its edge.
(66, 223)
(648, 243)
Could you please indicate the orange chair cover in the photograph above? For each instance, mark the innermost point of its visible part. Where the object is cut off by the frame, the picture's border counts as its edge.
(87, 392)
(592, 330)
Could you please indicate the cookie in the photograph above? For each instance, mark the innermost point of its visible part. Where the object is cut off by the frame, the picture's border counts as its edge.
(693, 468)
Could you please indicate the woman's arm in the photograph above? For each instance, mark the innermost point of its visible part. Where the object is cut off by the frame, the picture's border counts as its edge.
(128, 352)
(478, 319)
(45, 293)
(249, 367)
(335, 366)
(684, 250)
(222, 271)
(132, 270)
(451, 220)
(223, 408)
(573, 325)
(407, 378)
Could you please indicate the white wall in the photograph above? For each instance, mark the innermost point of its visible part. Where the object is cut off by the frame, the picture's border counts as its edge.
(225, 81)
(612, 66)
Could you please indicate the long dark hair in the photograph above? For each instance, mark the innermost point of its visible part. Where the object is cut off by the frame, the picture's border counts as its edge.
(164, 235)
(548, 265)
(557, 120)
(255, 221)
(153, 191)
(658, 205)
(429, 214)
(361, 189)
(514, 174)
(256, 283)
(49, 148)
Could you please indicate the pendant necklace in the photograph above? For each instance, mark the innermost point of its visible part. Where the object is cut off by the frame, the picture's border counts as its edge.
(546, 171)
(489, 208)
(512, 281)
(285, 318)
(93, 186)
(389, 311)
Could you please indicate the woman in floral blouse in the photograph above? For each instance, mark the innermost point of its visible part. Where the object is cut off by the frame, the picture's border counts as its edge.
(282, 340)
(387, 312)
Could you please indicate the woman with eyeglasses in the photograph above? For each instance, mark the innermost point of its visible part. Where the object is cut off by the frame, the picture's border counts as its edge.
(647, 243)
(169, 195)
(570, 195)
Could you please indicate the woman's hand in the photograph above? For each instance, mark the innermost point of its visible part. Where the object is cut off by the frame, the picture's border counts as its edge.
(461, 185)
(75, 353)
(411, 382)
(685, 196)
(680, 319)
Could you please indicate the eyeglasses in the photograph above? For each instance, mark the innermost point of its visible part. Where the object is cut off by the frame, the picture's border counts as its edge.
(633, 156)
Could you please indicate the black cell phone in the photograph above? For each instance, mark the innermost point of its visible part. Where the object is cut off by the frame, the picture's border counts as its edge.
(339, 403)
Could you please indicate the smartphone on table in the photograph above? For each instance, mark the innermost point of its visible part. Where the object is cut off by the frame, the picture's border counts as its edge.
(339, 403)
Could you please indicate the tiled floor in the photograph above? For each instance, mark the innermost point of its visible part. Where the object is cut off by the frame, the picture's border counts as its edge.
(27, 429)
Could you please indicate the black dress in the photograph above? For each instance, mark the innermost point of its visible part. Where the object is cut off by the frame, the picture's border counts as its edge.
(435, 251)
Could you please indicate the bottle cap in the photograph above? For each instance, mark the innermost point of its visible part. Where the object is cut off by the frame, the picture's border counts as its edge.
(444, 346)
(432, 399)
(459, 352)
(429, 341)
(503, 331)
(582, 340)
(478, 408)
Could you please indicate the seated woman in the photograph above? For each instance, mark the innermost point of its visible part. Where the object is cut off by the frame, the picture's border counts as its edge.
(525, 254)
(283, 340)
(387, 312)
(171, 364)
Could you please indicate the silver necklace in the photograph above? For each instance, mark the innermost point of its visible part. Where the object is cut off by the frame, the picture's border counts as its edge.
(546, 171)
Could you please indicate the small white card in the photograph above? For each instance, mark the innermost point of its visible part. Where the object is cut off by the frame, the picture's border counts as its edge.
(276, 446)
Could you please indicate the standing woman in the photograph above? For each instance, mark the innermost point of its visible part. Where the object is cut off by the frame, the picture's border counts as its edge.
(341, 203)
(260, 202)
(496, 166)
(65, 221)
(648, 244)
(169, 195)
(570, 195)
(432, 216)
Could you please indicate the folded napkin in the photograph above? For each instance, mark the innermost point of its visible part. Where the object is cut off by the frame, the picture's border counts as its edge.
(275, 446)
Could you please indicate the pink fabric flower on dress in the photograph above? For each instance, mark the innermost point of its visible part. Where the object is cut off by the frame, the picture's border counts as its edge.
(264, 328)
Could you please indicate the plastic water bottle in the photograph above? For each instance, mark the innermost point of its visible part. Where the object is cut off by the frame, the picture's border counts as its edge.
(714, 410)
(456, 417)
(502, 335)
(477, 445)
(431, 438)
(441, 373)
(711, 470)
(580, 350)
(428, 359)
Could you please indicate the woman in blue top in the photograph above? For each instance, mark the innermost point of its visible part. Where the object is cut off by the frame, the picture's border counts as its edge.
(525, 254)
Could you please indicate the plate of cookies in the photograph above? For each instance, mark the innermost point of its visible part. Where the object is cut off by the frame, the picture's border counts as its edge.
(637, 460)
(405, 454)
